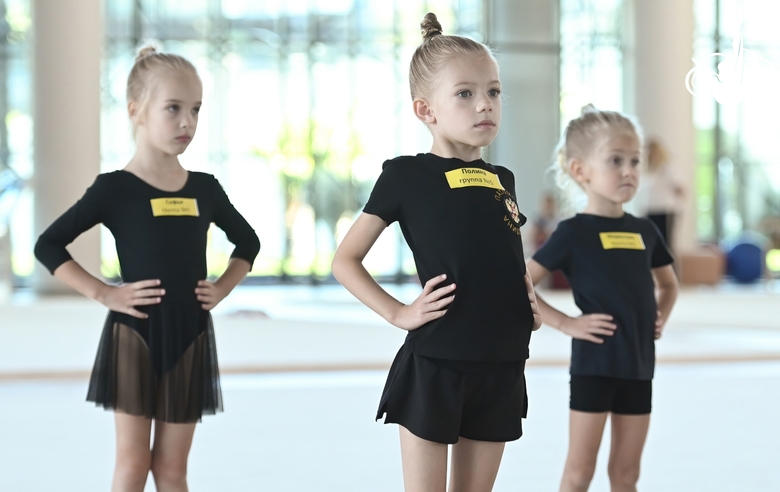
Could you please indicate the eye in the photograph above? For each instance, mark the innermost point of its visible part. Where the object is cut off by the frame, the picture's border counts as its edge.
(173, 108)
(494, 92)
(196, 109)
(617, 160)
(464, 94)
(635, 162)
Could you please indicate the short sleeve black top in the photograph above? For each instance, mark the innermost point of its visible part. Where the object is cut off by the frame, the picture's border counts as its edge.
(608, 263)
(159, 234)
(461, 219)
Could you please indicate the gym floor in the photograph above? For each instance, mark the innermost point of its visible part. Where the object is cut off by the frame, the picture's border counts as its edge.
(303, 368)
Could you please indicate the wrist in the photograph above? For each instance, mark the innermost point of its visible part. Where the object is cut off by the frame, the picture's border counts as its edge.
(394, 315)
(562, 323)
(101, 292)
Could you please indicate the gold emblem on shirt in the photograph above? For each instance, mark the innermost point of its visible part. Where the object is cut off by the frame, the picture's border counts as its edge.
(513, 219)
(472, 176)
(175, 207)
(622, 240)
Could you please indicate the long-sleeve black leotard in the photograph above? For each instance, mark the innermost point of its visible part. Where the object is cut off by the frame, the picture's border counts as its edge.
(159, 235)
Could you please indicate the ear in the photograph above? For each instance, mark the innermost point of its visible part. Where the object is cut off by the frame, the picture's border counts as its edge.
(579, 171)
(132, 111)
(423, 111)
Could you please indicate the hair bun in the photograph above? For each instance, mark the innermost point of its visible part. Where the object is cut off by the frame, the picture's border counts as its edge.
(145, 51)
(588, 108)
(430, 27)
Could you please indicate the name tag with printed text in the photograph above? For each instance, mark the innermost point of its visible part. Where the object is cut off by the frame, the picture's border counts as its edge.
(175, 207)
(622, 240)
(472, 176)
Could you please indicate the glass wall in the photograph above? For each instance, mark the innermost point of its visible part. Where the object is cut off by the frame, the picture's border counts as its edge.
(591, 56)
(16, 163)
(738, 161)
(303, 101)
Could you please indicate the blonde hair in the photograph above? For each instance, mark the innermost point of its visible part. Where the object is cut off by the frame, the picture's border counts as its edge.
(433, 53)
(583, 133)
(148, 62)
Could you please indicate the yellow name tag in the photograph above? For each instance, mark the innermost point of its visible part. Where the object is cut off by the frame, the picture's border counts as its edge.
(175, 207)
(622, 240)
(472, 176)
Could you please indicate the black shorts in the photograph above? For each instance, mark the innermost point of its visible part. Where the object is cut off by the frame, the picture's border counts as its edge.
(442, 400)
(605, 394)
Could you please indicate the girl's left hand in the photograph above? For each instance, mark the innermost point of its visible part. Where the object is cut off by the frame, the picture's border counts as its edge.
(659, 325)
(209, 294)
(534, 305)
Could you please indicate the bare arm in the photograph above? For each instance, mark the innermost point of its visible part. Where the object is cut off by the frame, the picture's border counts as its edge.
(584, 327)
(348, 269)
(211, 293)
(667, 288)
(121, 299)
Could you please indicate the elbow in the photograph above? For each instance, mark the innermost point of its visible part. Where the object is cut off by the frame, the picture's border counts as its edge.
(337, 266)
(255, 246)
(342, 265)
(43, 252)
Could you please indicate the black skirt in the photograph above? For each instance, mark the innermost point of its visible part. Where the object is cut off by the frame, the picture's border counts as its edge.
(163, 367)
(441, 400)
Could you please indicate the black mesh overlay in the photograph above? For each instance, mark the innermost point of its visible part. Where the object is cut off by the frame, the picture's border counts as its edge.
(124, 377)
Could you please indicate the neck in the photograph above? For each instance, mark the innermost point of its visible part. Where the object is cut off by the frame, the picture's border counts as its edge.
(449, 149)
(604, 208)
(149, 159)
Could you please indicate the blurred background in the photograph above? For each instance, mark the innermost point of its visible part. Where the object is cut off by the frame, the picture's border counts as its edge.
(304, 100)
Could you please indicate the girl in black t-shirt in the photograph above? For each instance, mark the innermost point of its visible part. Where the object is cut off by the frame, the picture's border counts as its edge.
(157, 358)
(459, 377)
(620, 272)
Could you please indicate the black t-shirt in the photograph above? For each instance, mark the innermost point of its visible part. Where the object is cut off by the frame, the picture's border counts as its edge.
(461, 219)
(159, 234)
(608, 263)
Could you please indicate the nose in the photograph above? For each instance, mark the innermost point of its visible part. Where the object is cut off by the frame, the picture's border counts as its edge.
(630, 170)
(187, 120)
(484, 104)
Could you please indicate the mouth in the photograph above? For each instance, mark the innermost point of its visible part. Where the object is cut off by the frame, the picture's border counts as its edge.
(485, 125)
(183, 139)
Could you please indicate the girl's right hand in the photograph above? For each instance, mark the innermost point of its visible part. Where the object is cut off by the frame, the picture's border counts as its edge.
(428, 306)
(587, 326)
(123, 298)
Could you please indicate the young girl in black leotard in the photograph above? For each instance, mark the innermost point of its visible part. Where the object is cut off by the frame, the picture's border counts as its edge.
(157, 359)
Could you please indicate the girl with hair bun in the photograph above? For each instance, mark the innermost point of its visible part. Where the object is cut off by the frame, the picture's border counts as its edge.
(459, 378)
(157, 360)
(620, 271)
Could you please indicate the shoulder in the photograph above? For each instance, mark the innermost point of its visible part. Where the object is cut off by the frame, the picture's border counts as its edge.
(504, 174)
(501, 169)
(642, 223)
(200, 177)
(568, 224)
(111, 181)
(401, 163)
(112, 177)
(204, 182)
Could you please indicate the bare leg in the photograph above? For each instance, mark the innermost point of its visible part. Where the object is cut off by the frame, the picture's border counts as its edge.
(133, 457)
(475, 465)
(424, 463)
(585, 431)
(629, 433)
(172, 444)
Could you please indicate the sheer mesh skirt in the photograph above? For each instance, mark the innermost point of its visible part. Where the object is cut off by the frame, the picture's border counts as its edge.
(178, 382)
